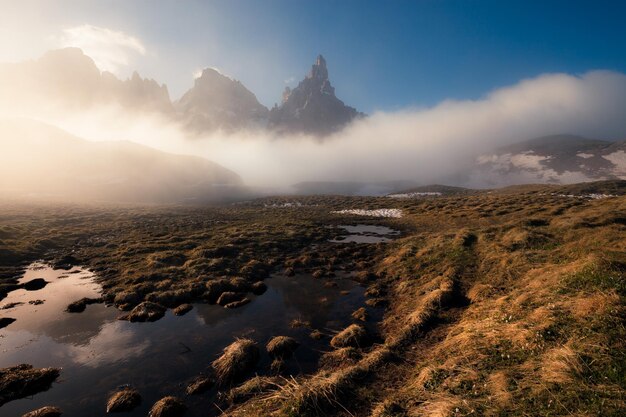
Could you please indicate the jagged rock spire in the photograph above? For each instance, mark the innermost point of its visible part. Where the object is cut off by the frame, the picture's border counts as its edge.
(312, 106)
(319, 70)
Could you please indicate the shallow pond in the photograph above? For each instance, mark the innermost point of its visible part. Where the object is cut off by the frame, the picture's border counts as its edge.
(364, 233)
(98, 353)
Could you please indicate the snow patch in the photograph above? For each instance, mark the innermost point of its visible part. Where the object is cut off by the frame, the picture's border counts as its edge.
(592, 196)
(585, 155)
(395, 213)
(619, 160)
(416, 194)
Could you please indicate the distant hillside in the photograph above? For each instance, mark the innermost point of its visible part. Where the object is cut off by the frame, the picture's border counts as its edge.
(559, 159)
(351, 188)
(41, 161)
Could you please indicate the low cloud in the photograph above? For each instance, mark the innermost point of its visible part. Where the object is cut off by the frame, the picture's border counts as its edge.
(425, 145)
(111, 50)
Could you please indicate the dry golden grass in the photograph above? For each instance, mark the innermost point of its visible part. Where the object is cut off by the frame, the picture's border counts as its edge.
(526, 309)
(238, 358)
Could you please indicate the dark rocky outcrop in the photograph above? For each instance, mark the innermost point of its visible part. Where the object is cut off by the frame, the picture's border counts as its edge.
(219, 102)
(312, 106)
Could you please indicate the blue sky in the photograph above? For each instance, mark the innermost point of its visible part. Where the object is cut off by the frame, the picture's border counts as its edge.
(381, 55)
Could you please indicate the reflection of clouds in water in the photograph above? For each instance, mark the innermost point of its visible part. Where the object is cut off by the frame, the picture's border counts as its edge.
(114, 343)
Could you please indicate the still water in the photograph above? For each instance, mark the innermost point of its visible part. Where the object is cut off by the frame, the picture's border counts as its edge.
(364, 233)
(98, 353)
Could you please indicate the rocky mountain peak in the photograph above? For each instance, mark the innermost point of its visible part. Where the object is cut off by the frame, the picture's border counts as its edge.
(217, 101)
(319, 70)
(312, 106)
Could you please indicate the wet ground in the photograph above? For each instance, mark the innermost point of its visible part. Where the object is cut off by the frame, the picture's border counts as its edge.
(363, 233)
(98, 353)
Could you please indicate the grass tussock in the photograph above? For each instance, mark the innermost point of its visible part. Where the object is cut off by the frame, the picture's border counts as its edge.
(237, 359)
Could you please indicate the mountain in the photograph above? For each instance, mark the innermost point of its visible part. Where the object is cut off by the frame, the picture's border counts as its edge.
(312, 106)
(39, 160)
(219, 102)
(67, 79)
(561, 159)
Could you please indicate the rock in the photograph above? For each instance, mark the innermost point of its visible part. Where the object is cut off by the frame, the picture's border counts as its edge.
(281, 347)
(168, 407)
(238, 358)
(352, 336)
(46, 411)
(312, 106)
(36, 302)
(182, 309)
(146, 311)
(124, 400)
(218, 102)
(236, 304)
(23, 380)
(199, 385)
(34, 284)
(80, 305)
(258, 288)
(289, 272)
(5, 321)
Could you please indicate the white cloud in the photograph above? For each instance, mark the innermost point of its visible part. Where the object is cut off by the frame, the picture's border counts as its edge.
(111, 50)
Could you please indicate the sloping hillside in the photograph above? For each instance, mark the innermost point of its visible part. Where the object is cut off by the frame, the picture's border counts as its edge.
(42, 161)
(552, 159)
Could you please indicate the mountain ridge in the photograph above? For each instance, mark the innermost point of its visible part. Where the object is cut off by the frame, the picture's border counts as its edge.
(48, 162)
(68, 78)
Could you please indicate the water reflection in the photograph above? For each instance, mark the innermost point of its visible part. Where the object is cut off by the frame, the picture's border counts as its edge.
(365, 233)
(97, 352)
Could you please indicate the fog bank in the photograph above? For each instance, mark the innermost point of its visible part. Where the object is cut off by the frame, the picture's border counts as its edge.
(425, 145)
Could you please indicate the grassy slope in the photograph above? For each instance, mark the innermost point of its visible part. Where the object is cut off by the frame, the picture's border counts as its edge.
(508, 303)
